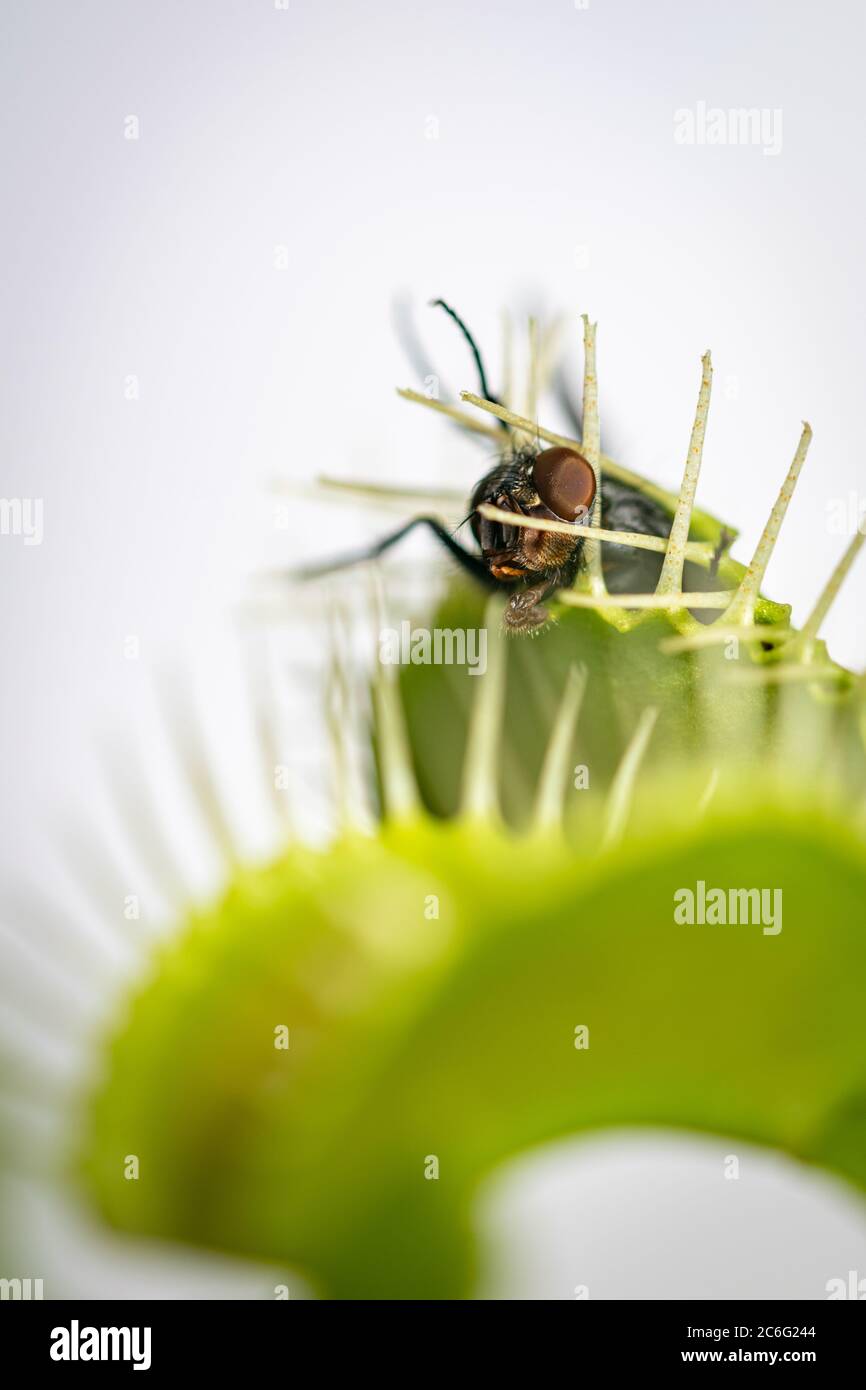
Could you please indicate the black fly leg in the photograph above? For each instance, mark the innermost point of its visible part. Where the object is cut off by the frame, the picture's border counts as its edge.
(524, 611)
(470, 563)
(476, 354)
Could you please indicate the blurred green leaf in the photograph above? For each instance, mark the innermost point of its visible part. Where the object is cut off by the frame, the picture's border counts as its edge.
(454, 1037)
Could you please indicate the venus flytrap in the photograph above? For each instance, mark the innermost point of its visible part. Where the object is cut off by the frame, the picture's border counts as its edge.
(455, 1035)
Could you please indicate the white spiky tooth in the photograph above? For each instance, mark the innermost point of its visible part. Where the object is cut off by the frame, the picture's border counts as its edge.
(353, 811)
(480, 789)
(742, 607)
(507, 392)
(805, 640)
(452, 411)
(548, 809)
(709, 791)
(696, 550)
(695, 599)
(621, 792)
(591, 449)
(399, 786)
(532, 382)
(671, 578)
(787, 673)
(720, 633)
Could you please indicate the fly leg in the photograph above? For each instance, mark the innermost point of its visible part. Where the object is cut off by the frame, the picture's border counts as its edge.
(524, 611)
(469, 562)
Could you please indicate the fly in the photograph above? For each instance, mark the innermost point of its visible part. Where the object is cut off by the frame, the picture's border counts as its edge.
(556, 484)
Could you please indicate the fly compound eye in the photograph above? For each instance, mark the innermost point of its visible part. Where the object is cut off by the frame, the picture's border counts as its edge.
(565, 482)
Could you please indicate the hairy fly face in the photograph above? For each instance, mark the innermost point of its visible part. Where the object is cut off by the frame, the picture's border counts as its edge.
(555, 485)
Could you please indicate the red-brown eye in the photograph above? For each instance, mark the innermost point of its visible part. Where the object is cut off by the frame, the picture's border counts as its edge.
(565, 482)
